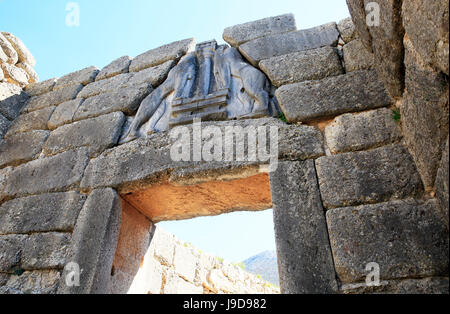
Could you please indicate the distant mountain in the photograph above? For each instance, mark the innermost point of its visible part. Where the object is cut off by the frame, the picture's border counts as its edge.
(265, 265)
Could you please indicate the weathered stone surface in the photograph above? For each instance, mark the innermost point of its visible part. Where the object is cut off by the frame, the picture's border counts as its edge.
(64, 113)
(303, 250)
(12, 100)
(33, 282)
(386, 40)
(94, 242)
(442, 181)
(97, 134)
(10, 255)
(53, 98)
(436, 285)
(4, 125)
(153, 75)
(116, 67)
(8, 49)
(126, 100)
(347, 30)
(424, 112)
(32, 75)
(356, 91)
(185, 263)
(352, 132)
(374, 176)
(45, 250)
(36, 120)
(24, 55)
(36, 89)
(41, 213)
(2, 76)
(3, 56)
(240, 34)
(154, 57)
(405, 238)
(302, 66)
(48, 174)
(104, 86)
(356, 57)
(21, 147)
(177, 285)
(14, 74)
(83, 77)
(426, 24)
(162, 244)
(281, 44)
(146, 158)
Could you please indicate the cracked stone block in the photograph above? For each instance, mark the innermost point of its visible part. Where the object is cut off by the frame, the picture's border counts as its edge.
(374, 176)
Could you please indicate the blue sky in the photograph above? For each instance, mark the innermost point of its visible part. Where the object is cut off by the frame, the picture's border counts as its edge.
(112, 28)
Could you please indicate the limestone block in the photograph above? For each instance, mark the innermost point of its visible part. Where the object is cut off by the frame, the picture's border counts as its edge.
(177, 285)
(36, 120)
(426, 24)
(21, 147)
(442, 181)
(356, 57)
(154, 57)
(184, 263)
(280, 44)
(10, 255)
(53, 98)
(83, 77)
(64, 113)
(385, 40)
(45, 250)
(352, 132)
(45, 175)
(8, 49)
(3, 56)
(24, 55)
(352, 92)
(304, 255)
(4, 125)
(162, 245)
(149, 278)
(12, 100)
(108, 85)
(153, 75)
(405, 238)
(347, 30)
(302, 66)
(147, 157)
(32, 75)
(39, 88)
(97, 134)
(126, 100)
(240, 34)
(15, 75)
(424, 112)
(94, 242)
(374, 176)
(41, 213)
(116, 67)
(34, 282)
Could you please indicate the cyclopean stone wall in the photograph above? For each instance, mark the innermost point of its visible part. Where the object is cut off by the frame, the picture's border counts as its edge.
(16, 71)
(347, 191)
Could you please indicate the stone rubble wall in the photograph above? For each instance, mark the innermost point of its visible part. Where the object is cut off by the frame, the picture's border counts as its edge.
(170, 266)
(16, 72)
(347, 191)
